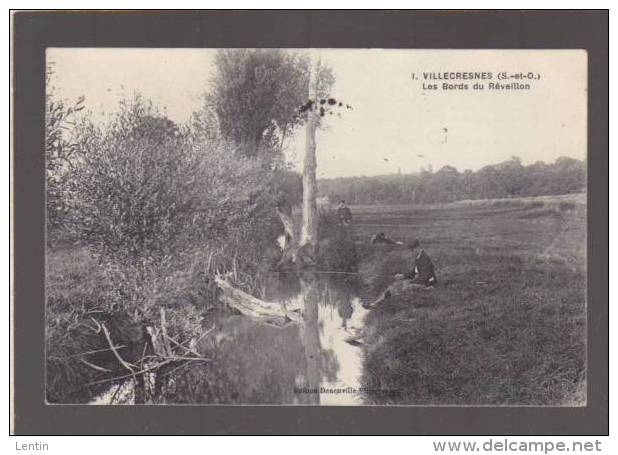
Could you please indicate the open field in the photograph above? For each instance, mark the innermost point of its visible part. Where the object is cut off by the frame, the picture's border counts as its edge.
(505, 325)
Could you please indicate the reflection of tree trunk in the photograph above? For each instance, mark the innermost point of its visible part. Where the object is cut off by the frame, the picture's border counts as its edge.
(309, 233)
(310, 334)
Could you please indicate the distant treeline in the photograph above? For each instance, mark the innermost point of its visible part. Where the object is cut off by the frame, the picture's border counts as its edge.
(502, 180)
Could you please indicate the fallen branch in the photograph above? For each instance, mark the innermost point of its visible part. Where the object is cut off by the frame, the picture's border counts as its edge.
(175, 369)
(96, 367)
(98, 330)
(176, 357)
(113, 398)
(120, 359)
(145, 370)
(189, 359)
(85, 353)
(251, 306)
(155, 339)
(150, 369)
(205, 333)
(181, 346)
(166, 344)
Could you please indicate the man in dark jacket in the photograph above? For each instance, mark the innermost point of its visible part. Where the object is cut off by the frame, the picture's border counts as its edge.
(421, 275)
(422, 271)
(343, 213)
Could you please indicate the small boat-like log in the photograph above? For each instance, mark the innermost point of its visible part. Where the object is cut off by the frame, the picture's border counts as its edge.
(270, 312)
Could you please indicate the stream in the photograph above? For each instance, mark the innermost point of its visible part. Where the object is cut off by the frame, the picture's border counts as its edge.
(316, 361)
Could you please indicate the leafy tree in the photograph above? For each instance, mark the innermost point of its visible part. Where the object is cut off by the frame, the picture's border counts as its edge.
(511, 175)
(256, 94)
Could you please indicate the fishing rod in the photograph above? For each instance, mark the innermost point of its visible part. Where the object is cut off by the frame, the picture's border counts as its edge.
(329, 272)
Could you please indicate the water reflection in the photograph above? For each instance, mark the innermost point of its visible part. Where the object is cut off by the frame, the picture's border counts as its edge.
(317, 361)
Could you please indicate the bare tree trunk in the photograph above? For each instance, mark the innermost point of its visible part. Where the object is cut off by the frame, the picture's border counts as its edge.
(309, 232)
(288, 228)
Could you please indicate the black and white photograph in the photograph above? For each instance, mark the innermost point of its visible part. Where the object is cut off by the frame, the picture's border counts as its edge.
(339, 227)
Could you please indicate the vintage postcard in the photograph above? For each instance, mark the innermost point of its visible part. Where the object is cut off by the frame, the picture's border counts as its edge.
(316, 227)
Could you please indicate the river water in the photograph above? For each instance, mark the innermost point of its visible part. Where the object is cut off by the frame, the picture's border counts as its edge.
(315, 361)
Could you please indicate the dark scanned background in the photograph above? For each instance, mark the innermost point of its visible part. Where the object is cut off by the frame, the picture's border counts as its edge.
(34, 31)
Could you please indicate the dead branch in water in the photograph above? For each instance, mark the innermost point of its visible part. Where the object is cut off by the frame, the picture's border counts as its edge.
(170, 352)
(205, 333)
(253, 307)
(142, 371)
(191, 351)
(152, 368)
(166, 344)
(185, 358)
(125, 364)
(113, 398)
(95, 351)
(96, 367)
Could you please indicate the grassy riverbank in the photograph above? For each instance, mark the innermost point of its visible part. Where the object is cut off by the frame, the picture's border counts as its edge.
(505, 326)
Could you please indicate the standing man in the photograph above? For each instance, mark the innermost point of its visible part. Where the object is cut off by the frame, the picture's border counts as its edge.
(343, 213)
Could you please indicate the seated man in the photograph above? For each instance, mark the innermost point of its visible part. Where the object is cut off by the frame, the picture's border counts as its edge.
(423, 271)
(422, 275)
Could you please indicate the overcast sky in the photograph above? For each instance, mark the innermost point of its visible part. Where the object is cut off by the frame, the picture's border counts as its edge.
(394, 125)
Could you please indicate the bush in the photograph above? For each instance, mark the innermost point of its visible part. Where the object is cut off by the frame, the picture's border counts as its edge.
(160, 206)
